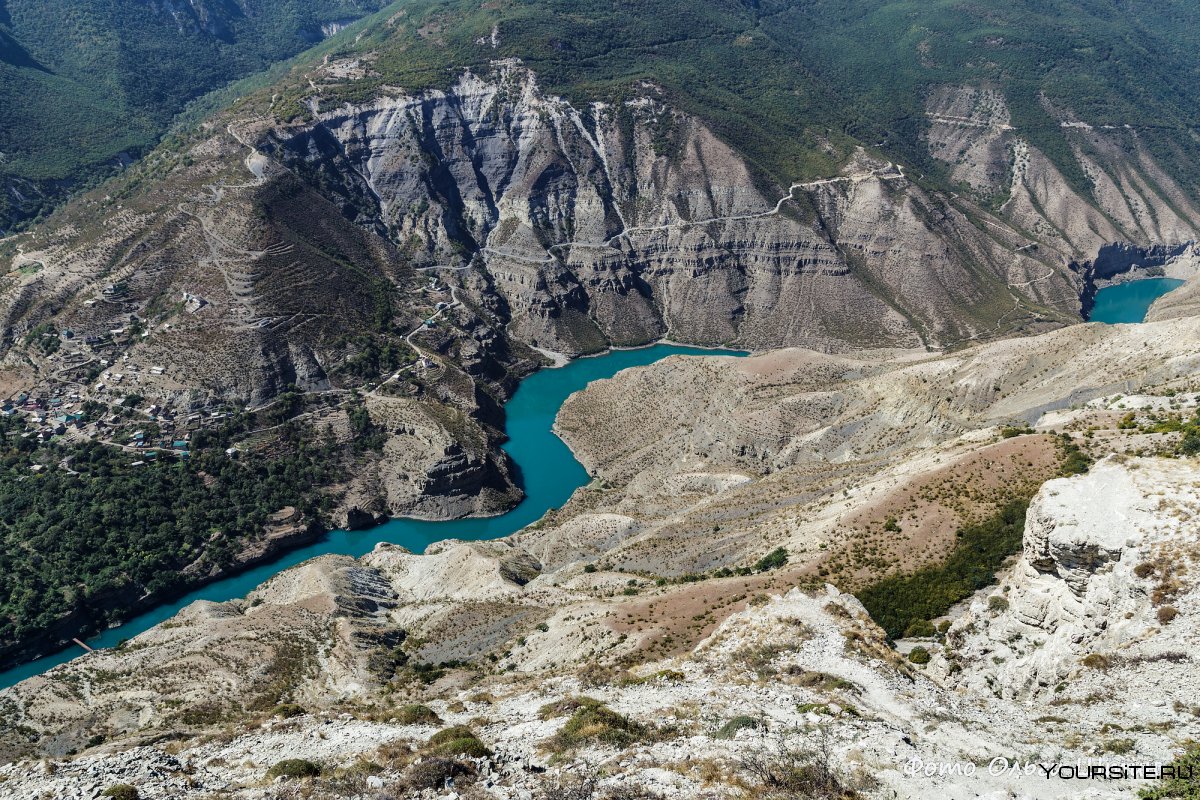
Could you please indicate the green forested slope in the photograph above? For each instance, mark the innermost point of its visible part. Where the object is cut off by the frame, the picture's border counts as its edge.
(83, 81)
(792, 82)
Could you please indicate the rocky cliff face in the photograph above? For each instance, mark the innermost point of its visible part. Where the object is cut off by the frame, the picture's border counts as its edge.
(1118, 212)
(629, 222)
(1082, 609)
(1116, 195)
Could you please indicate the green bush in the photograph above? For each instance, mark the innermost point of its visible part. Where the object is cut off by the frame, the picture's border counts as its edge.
(730, 728)
(294, 768)
(919, 628)
(121, 791)
(772, 560)
(457, 741)
(598, 724)
(919, 655)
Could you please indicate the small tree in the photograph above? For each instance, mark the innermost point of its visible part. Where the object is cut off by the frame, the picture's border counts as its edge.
(918, 655)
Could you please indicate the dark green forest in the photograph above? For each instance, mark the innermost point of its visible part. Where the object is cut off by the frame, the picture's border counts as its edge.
(73, 542)
(85, 82)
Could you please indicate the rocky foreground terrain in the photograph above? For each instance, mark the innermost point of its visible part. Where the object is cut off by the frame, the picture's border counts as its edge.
(1076, 665)
(566, 657)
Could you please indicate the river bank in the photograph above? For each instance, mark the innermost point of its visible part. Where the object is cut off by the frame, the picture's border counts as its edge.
(548, 470)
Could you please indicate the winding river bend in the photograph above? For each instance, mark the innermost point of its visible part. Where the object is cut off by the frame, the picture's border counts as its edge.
(548, 473)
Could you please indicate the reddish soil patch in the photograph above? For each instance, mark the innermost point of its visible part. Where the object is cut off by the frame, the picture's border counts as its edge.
(915, 524)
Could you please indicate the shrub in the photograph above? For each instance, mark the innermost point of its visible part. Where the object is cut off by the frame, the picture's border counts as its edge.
(1073, 460)
(1166, 614)
(772, 560)
(121, 791)
(414, 714)
(919, 628)
(457, 741)
(294, 768)
(730, 728)
(918, 655)
(1010, 431)
(598, 724)
(288, 710)
(997, 603)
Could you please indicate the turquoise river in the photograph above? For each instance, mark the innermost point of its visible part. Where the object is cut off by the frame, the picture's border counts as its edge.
(548, 473)
(1129, 302)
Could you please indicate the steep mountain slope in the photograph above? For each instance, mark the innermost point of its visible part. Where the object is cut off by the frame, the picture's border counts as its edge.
(86, 85)
(367, 248)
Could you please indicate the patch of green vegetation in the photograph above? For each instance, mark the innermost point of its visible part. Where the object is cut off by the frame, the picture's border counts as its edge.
(919, 655)
(595, 723)
(121, 791)
(900, 601)
(1181, 784)
(730, 728)
(107, 533)
(294, 768)
(457, 741)
(772, 560)
(1011, 431)
(1186, 444)
(1073, 461)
